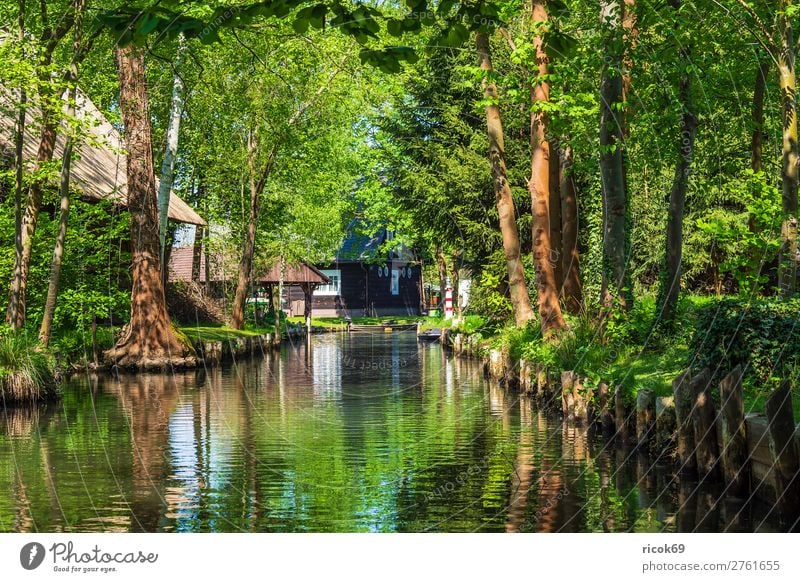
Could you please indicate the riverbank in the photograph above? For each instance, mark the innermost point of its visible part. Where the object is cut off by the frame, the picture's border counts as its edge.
(703, 422)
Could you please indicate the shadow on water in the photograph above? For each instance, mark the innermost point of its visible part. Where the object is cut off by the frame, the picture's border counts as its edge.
(358, 432)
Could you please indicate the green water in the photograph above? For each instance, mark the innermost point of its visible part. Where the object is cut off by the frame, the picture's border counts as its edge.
(366, 432)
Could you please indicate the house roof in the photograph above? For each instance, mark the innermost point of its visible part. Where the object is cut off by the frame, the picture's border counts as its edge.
(359, 247)
(182, 258)
(294, 275)
(99, 171)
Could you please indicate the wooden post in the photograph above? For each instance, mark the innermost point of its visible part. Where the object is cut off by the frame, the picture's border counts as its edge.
(308, 298)
(645, 416)
(604, 398)
(681, 388)
(735, 461)
(583, 396)
(567, 395)
(705, 431)
(783, 447)
(620, 418)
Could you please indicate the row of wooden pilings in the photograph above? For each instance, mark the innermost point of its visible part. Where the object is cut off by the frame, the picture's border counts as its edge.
(214, 353)
(705, 432)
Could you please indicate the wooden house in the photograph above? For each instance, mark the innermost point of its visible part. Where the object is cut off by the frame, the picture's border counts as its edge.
(368, 280)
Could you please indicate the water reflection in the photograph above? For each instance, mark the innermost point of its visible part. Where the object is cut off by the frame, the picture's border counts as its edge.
(359, 432)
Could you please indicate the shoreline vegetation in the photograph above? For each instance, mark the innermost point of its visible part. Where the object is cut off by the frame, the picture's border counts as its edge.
(628, 355)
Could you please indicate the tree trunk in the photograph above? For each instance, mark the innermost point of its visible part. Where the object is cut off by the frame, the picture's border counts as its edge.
(572, 290)
(540, 188)
(197, 253)
(518, 289)
(248, 251)
(61, 236)
(308, 298)
(15, 315)
(246, 261)
(556, 217)
(149, 340)
(170, 153)
(441, 266)
(758, 115)
(456, 283)
(671, 283)
(616, 287)
(16, 312)
(787, 272)
(19, 161)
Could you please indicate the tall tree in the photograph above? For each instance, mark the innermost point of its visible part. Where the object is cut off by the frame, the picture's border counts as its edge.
(148, 340)
(167, 176)
(571, 290)
(671, 278)
(616, 276)
(539, 184)
(787, 273)
(64, 185)
(518, 289)
(757, 115)
(50, 99)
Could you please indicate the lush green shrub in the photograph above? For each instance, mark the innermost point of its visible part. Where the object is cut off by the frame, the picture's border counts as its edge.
(470, 324)
(762, 335)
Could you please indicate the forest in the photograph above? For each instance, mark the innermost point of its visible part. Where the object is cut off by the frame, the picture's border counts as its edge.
(617, 179)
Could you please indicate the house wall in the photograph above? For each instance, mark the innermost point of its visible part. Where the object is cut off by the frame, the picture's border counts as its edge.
(364, 292)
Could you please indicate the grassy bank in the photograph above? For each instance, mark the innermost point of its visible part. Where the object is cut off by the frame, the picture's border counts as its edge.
(340, 323)
(26, 372)
(632, 354)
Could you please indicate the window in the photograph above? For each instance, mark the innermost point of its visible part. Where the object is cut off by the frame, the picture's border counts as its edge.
(332, 288)
(395, 282)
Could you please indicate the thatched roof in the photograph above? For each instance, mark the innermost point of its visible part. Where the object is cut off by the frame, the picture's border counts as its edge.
(99, 173)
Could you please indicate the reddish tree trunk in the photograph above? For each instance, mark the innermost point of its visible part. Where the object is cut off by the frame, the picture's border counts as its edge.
(149, 340)
(540, 189)
(556, 217)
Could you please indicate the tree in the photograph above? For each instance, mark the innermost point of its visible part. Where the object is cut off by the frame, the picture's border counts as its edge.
(50, 99)
(148, 340)
(505, 203)
(616, 276)
(671, 283)
(787, 273)
(540, 186)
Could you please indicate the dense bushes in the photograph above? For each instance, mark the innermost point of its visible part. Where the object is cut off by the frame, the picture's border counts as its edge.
(761, 335)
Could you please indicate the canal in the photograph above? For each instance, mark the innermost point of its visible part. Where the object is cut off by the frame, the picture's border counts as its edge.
(359, 432)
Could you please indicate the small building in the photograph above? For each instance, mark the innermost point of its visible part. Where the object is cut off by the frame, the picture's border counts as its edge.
(367, 280)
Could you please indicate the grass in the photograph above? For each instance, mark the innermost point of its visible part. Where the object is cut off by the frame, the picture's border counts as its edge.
(26, 373)
(340, 323)
(215, 333)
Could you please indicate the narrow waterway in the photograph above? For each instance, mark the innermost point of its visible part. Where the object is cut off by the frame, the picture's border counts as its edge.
(359, 432)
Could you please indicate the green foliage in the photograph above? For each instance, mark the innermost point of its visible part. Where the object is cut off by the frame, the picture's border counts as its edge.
(470, 324)
(763, 336)
(748, 240)
(488, 299)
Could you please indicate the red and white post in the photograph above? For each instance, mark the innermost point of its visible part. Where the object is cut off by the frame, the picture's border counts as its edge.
(448, 303)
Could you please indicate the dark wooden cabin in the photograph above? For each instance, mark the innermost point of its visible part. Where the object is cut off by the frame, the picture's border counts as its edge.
(365, 280)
